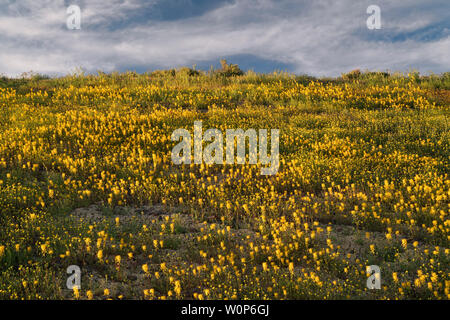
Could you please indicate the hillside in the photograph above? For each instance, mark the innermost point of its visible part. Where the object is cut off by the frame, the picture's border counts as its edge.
(87, 179)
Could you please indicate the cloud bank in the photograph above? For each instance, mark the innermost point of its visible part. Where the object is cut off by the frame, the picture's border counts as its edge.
(322, 37)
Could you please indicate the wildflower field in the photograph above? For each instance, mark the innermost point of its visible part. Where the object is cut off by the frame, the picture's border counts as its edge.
(86, 179)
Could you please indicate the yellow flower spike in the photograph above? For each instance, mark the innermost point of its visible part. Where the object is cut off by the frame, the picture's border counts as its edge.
(100, 255)
(177, 288)
(264, 265)
(76, 292)
(404, 243)
(291, 267)
(395, 277)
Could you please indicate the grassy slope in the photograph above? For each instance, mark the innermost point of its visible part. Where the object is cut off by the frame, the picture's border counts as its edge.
(363, 180)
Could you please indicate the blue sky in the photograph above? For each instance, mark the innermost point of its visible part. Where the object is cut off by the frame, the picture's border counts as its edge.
(318, 37)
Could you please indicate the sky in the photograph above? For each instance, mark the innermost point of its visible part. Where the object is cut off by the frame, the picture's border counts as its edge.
(314, 37)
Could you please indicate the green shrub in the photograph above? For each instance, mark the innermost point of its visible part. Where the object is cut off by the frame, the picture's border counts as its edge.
(229, 70)
(352, 75)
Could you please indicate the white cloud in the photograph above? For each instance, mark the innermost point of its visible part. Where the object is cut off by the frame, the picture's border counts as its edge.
(323, 37)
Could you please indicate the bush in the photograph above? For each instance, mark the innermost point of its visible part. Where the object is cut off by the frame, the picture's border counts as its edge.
(352, 75)
(229, 70)
(188, 71)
